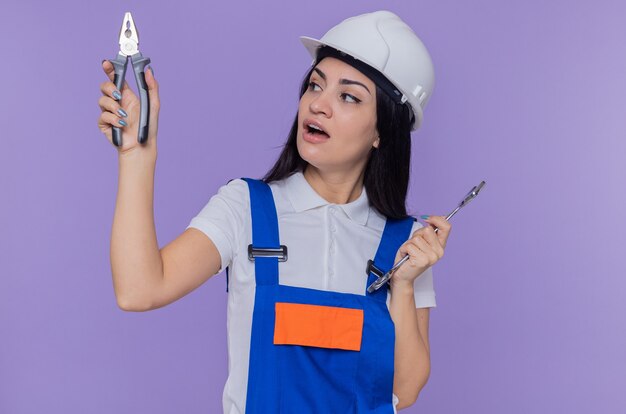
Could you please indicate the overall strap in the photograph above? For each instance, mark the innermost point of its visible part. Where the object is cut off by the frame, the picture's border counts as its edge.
(264, 232)
(397, 231)
(227, 276)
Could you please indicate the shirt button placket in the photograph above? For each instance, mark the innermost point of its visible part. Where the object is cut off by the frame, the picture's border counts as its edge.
(333, 244)
(331, 248)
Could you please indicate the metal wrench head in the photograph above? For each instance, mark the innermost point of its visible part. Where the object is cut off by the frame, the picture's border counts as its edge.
(472, 194)
(129, 38)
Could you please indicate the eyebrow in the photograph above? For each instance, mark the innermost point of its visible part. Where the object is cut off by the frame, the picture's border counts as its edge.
(343, 81)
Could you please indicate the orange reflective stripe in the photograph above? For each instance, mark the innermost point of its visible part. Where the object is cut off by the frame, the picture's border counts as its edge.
(320, 326)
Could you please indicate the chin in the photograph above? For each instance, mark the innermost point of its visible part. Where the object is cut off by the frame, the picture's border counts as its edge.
(310, 153)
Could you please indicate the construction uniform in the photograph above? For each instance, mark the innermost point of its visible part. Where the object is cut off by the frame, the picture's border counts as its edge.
(304, 336)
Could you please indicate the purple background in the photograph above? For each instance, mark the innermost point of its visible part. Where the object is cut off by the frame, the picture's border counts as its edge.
(529, 97)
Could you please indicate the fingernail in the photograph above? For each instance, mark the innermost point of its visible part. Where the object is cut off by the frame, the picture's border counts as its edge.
(122, 122)
(117, 95)
(424, 217)
(103, 60)
(122, 112)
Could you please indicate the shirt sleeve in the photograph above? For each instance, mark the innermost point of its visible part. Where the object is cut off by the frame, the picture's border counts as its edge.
(222, 218)
(423, 285)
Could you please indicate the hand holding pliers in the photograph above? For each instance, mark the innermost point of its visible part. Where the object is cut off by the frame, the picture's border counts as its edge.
(129, 49)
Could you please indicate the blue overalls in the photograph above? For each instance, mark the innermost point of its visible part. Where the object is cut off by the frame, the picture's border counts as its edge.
(340, 357)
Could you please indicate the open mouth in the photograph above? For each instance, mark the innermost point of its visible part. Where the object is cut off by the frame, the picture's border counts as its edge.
(315, 130)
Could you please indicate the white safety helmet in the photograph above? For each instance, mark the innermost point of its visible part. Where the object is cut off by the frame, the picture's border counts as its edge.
(383, 41)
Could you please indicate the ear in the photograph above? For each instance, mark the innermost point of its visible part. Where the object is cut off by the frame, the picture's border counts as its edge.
(376, 143)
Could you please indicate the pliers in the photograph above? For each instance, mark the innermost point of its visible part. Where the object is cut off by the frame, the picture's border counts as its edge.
(129, 42)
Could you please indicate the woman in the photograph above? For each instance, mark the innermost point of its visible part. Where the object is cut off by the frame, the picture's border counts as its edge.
(304, 335)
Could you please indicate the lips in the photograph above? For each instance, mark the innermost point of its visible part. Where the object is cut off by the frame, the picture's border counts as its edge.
(315, 128)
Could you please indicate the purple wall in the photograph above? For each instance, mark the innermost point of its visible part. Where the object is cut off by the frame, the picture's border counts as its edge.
(530, 97)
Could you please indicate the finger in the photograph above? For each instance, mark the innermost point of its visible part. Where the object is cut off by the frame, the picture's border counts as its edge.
(426, 250)
(109, 119)
(107, 103)
(109, 89)
(155, 102)
(109, 69)
(439, 222)
(429, 236)
(153, 89)
(443, 225)
(417, 256)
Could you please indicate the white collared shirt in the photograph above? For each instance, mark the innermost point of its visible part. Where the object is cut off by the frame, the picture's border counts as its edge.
(328, 249)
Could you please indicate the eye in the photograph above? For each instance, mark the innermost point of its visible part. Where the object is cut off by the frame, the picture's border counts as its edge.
(312, 85)
(354, 99)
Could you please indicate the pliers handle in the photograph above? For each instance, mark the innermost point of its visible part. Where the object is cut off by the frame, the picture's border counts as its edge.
(139, 62)
(129, 41)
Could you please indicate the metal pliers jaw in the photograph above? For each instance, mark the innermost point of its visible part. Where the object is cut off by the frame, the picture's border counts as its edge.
(129, 48)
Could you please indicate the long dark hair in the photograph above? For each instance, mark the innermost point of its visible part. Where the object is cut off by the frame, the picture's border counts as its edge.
(386, 177)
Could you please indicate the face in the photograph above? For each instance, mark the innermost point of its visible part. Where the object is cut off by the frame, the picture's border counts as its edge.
(342, 101)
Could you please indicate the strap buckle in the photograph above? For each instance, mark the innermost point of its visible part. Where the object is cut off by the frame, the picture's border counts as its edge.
(371, 268)
(280, 252)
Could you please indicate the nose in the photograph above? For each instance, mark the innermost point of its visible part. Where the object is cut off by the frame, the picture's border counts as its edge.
(320, 104)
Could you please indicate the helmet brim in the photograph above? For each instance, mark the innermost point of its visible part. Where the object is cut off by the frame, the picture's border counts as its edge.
(311, 44)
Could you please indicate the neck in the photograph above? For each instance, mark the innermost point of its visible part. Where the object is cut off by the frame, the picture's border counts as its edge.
(337, 187)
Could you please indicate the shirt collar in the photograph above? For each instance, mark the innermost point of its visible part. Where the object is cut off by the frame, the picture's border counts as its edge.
(304, 197)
